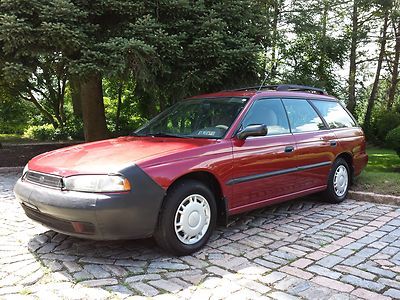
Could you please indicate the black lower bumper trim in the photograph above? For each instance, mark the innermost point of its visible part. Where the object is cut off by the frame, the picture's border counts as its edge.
(56, 223)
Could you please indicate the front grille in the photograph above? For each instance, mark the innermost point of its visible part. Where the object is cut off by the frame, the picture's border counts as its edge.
(44, 179)
(56, 223)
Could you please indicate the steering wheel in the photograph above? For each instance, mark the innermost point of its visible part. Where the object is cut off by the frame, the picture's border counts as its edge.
(222, 126)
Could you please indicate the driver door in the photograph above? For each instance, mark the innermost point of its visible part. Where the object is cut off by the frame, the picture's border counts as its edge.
(264, 167)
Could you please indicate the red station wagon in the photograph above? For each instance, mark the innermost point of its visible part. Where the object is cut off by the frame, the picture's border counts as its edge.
(202, 160)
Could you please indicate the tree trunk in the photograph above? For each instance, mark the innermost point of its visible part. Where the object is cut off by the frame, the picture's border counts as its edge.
(372, 97)
(351, 105)
(322, 63)
(147, 104)
(53, 95)
(61, 99)
(74, 84)
(43, 111)
(119, 104)
(274, 63)
(395, 75)
(94, 120)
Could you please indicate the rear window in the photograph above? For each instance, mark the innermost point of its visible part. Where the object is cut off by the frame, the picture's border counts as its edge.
(334, 114)
(302, 116)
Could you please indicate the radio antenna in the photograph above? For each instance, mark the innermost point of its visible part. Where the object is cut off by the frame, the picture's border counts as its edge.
(263, 82)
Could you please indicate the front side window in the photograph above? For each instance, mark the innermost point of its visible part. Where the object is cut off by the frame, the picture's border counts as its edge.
(195, 118)
(302, 116)
(269, 112)
(334, 114)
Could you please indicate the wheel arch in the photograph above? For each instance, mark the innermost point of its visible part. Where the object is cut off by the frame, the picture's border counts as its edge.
(349, 159)
(211, 181)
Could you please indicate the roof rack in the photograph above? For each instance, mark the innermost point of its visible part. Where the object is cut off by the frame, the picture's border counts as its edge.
(286, 87)
(302, 88)
(258, 87)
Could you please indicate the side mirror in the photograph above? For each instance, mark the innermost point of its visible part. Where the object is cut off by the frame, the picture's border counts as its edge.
(252, 130)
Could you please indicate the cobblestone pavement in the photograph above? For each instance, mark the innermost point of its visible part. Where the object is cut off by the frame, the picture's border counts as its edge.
(302, 249)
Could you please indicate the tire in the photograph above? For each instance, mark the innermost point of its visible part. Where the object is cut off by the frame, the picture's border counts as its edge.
(338, 182)
(188, 201)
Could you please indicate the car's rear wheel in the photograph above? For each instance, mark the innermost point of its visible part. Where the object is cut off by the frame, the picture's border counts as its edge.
(187, 218)
(338, 181)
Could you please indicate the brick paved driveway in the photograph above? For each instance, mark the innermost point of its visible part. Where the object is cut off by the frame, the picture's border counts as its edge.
(302, 249)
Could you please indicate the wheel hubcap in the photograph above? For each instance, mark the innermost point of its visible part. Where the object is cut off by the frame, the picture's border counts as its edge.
(192, 219)
(340, 180)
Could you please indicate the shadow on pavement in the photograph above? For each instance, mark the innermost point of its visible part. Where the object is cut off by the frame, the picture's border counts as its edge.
(140, 267)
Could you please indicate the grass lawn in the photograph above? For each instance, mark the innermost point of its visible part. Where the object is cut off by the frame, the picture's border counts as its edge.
(14, 139)
(382, 174)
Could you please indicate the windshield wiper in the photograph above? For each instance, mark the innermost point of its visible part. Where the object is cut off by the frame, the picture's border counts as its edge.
(136, 134)
(160, 134)
(165, 134)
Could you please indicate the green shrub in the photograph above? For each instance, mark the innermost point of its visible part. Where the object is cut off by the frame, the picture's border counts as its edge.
(45, 132)
(385, 122)
(393, 139)
(14, 115)
(74, 129)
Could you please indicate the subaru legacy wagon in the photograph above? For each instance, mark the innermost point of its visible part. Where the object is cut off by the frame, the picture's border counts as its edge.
(202, 160)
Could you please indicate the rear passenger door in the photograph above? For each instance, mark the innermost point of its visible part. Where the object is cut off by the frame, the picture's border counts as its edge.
(316, 144)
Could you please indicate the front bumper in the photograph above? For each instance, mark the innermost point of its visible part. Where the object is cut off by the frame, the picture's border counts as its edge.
(98, 216)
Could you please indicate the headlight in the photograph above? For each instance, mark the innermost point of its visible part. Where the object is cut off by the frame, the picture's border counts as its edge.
(97, 183)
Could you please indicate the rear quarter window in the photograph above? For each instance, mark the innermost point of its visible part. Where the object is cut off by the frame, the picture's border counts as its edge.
(334, 114)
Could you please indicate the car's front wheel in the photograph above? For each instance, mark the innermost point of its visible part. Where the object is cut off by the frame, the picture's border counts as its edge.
(338, 181)
(187, 218)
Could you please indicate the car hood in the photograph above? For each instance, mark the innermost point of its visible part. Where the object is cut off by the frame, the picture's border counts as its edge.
(109, 156)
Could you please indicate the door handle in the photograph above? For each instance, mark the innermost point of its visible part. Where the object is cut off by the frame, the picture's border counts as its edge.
(333, 143)
(289, 149)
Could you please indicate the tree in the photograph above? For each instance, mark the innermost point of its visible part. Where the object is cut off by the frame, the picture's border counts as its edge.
(362, 19)
(14, 115)
(371, 101)
(33, 66)
(395, 67)
(107, 47)
(91, 39)
(215, 46)
(351, 104)
(314, 48)
(171, 50)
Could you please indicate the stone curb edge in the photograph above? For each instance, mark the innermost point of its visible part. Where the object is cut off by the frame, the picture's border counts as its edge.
(373, 197)
(6, 144)
(10, 169)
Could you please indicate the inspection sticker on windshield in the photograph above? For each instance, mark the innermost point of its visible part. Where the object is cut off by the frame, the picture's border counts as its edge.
(206, 132)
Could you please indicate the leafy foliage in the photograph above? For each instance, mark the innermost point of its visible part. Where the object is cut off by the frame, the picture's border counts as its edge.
(14, 115)
(150, 54)
(316, 49)
(393, 139)
(385, 122)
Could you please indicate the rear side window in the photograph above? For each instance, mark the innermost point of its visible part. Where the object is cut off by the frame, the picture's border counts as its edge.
(302, 116)
(269, 112)
(334, 114)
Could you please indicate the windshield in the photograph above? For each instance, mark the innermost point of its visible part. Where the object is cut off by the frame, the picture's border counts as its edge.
(195, 118)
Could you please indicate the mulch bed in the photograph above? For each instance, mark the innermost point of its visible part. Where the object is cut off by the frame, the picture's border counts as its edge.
(19, 155)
